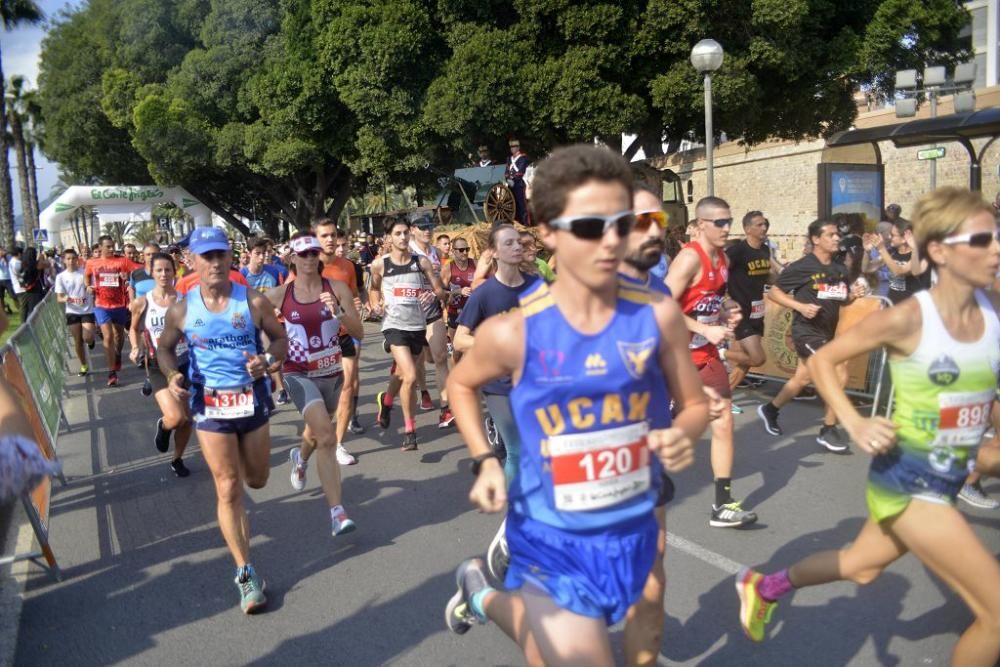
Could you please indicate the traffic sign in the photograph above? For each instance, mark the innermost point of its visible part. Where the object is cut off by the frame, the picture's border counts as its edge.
(931, 153)
(40, 235)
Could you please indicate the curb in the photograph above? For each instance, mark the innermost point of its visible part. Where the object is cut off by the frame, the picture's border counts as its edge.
(18, 538)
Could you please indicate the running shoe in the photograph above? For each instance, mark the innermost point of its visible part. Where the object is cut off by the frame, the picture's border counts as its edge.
(181, 470)
(470, 579)
(833, 438)
(409, 442)
(974, 495)
(83, 371)
(807, 394)
(112, 379)
(748, 383)
(735, 409)
(344, 457)
(341, 524)
(425, 400)
(496, 441)
(447, 418)
(162, 437)
(755, 611)
(282, 398)
(384, 414)
(731, 515)
(118, 361)
(769, 415)
(298, 474)
(355, 426)
(498, 555)
(251, 588)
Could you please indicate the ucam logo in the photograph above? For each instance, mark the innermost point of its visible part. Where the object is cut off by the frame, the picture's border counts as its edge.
(595, 365)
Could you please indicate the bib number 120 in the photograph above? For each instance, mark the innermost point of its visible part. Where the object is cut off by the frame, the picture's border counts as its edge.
(607, 463)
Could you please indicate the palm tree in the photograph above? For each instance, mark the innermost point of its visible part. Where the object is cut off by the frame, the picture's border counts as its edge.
(12, 13)
(33, 138)
(16, 117)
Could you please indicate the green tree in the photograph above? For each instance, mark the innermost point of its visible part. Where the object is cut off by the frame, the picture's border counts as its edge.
(12, 13)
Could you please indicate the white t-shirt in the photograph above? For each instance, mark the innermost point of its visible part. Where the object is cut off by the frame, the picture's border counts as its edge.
(71, 284)
(15, 271)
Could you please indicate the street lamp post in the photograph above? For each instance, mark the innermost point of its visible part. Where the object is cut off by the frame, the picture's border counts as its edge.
(706, 57)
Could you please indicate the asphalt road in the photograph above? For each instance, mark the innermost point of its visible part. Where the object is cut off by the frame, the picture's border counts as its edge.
(148, 580)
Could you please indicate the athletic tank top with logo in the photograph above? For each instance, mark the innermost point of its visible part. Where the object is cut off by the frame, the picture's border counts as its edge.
(153, 319)
(217, 341)
(313, 341)
(584, 406)
(703, 302)
(432, 309)
(459, 279)
(402, 285)
(946, 388)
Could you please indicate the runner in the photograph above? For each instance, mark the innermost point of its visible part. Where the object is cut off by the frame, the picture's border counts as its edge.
(230, 397)
(148, 317)
(106, 278)
(71, 290)
(698, 275)
(749, 270)
(141, 280)
(336, 266)
(944, 348)
(258, 274)
(820, 288)
(314, 309)
(457, 274)
(590, 401)
(398, 293)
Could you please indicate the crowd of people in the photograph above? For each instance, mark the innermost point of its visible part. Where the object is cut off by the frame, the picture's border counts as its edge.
(599, 369)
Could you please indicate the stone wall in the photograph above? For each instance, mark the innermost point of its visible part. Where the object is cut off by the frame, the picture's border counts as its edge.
(780, 177)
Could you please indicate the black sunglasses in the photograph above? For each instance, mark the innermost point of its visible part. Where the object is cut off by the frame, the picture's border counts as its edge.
(593, 227)
(720, 222)
(977, 240)
(457, 249)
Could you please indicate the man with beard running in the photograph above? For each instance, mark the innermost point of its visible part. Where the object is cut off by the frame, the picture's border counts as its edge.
(229, 390)
(749, 270)
(698, 275)
(314, 309)
(398, 292)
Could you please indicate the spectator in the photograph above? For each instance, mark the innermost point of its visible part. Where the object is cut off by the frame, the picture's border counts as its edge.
(5, 284)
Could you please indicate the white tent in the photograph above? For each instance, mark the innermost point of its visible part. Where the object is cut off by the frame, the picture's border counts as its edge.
(125, 199)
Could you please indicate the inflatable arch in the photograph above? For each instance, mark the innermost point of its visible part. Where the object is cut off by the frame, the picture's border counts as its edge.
(106, 197)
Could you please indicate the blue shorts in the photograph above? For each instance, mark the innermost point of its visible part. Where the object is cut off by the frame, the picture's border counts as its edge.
(899, 476)
(119, 316)
(598, 574)
(263, 407)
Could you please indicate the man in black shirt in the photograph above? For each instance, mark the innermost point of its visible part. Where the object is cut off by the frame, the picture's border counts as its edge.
(815, 287)
(749, 270)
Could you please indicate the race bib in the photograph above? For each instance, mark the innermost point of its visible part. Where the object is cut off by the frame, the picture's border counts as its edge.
(229, 403)
(697, 340)
(406, 294)
(756, 309)
(834, 292)
(77, 300)
(963, 418)
(591, 471)
(324, 363)
(109, 280)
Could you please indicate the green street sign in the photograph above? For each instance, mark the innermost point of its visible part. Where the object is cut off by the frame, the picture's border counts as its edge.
(931, 153)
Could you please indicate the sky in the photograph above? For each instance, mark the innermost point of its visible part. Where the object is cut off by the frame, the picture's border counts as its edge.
(21, 48)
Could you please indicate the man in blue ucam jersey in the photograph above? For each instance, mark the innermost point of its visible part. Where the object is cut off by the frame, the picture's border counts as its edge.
(230, 394)
(594, 362)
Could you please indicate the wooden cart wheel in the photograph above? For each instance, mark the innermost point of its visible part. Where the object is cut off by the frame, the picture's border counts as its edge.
(499, 204)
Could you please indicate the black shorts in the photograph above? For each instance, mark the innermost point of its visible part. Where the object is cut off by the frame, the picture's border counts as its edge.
(808, 341)
(72, 319)
(415, 340)
(666, 492)
(347, 348)
(748, 327)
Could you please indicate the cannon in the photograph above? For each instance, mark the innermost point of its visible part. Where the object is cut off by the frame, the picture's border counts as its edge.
(483, 190)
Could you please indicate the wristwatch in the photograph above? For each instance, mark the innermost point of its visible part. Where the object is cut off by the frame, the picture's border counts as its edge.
(477, 461)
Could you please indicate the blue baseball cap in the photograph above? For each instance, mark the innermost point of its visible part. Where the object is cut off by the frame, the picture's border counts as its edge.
(208, 239)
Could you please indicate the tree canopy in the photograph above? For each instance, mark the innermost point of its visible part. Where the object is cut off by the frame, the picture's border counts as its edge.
(279, 109)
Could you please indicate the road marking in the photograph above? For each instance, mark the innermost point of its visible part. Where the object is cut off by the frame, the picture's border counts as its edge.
(703, 554)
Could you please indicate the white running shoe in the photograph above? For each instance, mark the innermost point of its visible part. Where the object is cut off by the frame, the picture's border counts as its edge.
(298, 475)
(344, 457)
(498, 555)
(341, 524)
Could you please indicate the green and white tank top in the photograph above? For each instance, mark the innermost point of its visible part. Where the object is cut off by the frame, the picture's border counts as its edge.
(945, 389)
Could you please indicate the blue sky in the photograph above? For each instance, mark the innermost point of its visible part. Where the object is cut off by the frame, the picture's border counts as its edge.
(21, 47)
